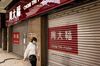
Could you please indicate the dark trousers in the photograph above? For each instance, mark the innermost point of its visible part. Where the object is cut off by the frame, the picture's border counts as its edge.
(33, 60)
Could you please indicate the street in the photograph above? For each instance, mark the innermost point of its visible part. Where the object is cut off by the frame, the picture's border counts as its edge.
(11, 59)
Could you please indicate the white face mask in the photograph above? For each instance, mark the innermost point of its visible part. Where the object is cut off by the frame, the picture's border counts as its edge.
(34, 41)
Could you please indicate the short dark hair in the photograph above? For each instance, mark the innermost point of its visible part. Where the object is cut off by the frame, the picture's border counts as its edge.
(34, 38)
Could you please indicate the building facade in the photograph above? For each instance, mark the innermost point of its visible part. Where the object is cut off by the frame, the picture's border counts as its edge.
(68, 34)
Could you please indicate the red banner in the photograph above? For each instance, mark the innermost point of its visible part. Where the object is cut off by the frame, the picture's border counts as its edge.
(63, 38)
(28, 8)
(16, 37)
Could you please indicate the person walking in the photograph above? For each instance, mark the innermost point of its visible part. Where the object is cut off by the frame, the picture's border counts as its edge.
(31, 51)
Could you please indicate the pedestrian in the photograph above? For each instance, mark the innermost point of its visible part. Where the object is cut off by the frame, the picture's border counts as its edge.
(31, 51)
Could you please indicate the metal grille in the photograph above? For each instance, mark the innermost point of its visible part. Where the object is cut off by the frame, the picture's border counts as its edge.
(87, 17)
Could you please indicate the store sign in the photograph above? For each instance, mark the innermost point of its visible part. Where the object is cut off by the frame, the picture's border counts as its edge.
(15, 13)
(44, 2)
(63, 39)
(16, 37)
(26, 9)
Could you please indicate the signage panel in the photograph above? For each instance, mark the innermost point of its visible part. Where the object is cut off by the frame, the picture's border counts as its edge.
(63, 39)
(28, 8)
(16, 37)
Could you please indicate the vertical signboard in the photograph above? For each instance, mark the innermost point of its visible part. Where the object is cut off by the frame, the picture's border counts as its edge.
(63, 39)
(16, 37)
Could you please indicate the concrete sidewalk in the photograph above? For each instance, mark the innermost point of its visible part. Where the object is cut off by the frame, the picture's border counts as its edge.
(11, 62)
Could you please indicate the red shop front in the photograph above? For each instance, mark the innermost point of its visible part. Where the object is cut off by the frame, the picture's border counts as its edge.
(29, 18)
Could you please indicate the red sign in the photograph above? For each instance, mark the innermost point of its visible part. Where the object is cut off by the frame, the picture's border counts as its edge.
(63, 38)
(16, 37)
(28, 8)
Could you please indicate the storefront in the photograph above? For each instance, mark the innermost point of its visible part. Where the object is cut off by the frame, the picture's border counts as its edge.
(70, 37)
(22, 34)
(74, 36)
(27, 19)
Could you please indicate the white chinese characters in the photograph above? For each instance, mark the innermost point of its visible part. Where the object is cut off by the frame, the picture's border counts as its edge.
(66, 35)
(15, 13)
(45, 2)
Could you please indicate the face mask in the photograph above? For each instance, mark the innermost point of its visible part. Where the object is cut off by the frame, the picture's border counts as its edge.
(34, 42)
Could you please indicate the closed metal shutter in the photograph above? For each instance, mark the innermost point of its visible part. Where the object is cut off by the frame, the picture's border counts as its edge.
(87, 18)
(22, 29)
